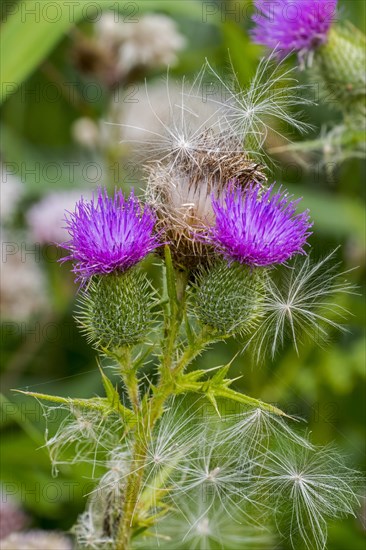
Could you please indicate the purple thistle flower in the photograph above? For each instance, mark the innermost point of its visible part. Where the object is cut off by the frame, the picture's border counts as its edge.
(258, 229)
(293, 25)
(109, 234)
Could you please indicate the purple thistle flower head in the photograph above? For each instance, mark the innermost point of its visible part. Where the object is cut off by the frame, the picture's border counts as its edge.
(109, 234)
(258, 229)
(293, 25)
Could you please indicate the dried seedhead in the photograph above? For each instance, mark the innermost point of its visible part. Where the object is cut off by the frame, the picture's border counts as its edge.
(181, 193)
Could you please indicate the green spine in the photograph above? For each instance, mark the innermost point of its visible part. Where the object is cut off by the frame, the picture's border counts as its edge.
(229, 299)
(340, 67)
(115, 310)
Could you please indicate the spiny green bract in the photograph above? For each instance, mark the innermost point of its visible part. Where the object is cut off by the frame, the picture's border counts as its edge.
(340, 66)
(229, 298)
(116, 310)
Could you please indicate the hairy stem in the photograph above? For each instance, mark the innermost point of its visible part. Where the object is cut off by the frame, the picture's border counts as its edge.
(129, 377)
(174, 322)
(133, 485)
(146, 424)
(204, 339)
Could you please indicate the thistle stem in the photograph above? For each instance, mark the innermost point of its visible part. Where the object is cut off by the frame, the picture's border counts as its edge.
(174, 322)
(134, 480)
(204, 339)
(129, 377)
(156, 408)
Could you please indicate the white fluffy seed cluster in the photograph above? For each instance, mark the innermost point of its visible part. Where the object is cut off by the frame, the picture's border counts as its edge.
(88, 434)
(210, 133)
(23, 290)
(152, 41)
(249, 470)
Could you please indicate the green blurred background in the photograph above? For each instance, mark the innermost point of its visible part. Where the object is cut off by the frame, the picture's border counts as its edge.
(43, 351)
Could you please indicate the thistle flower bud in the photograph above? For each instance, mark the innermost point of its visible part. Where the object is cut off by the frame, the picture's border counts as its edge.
(115, 310)
(229, 298)
(340, 66)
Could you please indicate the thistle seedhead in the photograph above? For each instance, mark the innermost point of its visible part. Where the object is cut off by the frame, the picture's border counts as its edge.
(180, 194)
(97, 526)
(90, 532)
(270, 103)
(305, 488)
(116, 310)
(229, 299)
(302, 304)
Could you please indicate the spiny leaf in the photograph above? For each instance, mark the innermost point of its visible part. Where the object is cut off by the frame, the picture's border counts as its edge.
(113, 397)
(213, 402)
(218, 387)
(233, 395)
(219, 378)
(96, 403)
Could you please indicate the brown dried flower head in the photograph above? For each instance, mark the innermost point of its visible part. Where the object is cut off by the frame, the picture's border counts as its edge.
(181, 192)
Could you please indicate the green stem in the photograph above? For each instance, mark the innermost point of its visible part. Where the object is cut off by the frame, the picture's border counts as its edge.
(133, 486)
(132, 386)
(129, 377)
(156, 408)
(204, 339)
(173, 323)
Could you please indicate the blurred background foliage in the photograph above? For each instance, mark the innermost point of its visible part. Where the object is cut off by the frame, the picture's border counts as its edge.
(44, 93)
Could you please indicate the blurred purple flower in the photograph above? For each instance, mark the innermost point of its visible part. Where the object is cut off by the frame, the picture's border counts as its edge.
(258, 229)
(109, 234)
(293, 25)
(12, 518)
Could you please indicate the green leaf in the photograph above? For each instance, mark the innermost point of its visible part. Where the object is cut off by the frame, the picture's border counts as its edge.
(29, 35)
(113, 397)
(228, 393)
(243, 52)
(100, 404)
(34, 28)
(218, 387)
(339, 216)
